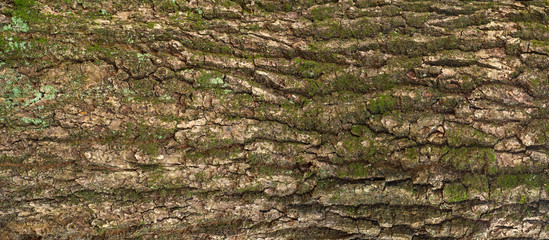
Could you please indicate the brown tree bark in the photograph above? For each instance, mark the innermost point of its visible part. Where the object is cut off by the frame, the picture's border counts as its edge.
(366, 119)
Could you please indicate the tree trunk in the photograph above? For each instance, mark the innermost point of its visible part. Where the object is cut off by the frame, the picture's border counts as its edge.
(366, 119)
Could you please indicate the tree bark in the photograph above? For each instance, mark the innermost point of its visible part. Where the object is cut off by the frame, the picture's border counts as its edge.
(216, 119)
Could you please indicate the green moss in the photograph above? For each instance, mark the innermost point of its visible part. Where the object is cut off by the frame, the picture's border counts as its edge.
(156, 178)
(349, 82)
(455, 192)
(355, 170)
(207, 46)
(269, 170)
(462, 135)
(221, 226)
(535, 31)
(476, 181)
(308, 119)
(331, 29)
(480, 160)
(263, 166)
(404, 63)
(149, 167)
(412, 154)
(507, 181)
(404, 45)
(319, 51)
(211, 79)
(167, 6)
(323, 13)
(89, 196)
(200, 176)
(542, 134)
(150, 148)
(195, 20)
(271, 6)
(529, 16)
(5, 159)
(511, 181)
(145, 137)
(360, 29)
(448, 103)
(417, 19)
(251, 188)
(22, 4)
(352, 144)
(353, 149)
(353, 83)
(523, 200)
(416, 6)
(315, 87)
(444, 43)
(26, 11)
(360, 131)
(311, 69)
(382, 104)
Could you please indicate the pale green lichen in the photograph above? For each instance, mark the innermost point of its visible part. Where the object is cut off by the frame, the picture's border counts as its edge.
(17, 25)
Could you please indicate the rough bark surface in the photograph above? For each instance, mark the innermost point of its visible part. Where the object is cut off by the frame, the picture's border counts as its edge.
(365, 119)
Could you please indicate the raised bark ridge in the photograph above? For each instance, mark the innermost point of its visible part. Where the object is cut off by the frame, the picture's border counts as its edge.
(274, 119)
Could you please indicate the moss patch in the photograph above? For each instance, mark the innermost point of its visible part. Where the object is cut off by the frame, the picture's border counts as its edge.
(476, 182)
(355, 170)
(382, 104)
(480, 160)
(511, 181)
(455, 192)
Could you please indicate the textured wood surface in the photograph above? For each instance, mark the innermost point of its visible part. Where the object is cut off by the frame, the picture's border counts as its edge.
(366, 119)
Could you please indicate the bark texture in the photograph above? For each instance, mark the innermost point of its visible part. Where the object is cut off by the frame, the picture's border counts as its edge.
(274, 119)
